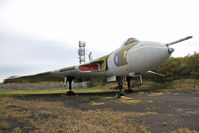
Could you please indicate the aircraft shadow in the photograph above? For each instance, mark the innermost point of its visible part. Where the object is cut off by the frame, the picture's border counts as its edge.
(64, 94)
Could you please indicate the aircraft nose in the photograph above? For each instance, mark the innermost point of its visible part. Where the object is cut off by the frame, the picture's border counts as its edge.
(147, 55)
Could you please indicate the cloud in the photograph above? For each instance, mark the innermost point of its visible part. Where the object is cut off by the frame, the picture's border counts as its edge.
(24, 55)
(43, 35)
(20, 54)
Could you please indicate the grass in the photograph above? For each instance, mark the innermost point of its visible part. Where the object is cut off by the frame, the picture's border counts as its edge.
(150, 101)
(93, 90)
(186, 84)
(17, 130)
(96, 103)
(28, 92)
(38, 115)
(182, 84)
(153, 86)
(130, 101)
(3, 125)
(156, 94)
(184, 130)
(51, 91)
(54, 116)
(191, 112)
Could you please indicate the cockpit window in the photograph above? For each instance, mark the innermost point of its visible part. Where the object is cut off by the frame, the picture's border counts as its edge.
(131, 40)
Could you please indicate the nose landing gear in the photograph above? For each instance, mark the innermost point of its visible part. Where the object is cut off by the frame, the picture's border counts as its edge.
(120, 86)
(129, 90)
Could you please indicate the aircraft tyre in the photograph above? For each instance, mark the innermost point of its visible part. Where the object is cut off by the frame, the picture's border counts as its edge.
(128, 90)
(119, 95)
(70, 93)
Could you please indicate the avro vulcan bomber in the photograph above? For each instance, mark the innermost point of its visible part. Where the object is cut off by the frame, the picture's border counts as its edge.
(133, 59)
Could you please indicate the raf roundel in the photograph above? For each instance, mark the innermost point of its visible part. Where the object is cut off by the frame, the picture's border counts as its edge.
(117, 59)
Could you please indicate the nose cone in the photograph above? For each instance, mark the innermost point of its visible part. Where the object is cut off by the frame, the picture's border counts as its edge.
(147, 55)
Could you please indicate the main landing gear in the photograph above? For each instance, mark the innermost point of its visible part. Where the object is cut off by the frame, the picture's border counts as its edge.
(69, 79)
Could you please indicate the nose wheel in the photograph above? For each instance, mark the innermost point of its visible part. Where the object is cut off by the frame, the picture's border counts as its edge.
(129, 90)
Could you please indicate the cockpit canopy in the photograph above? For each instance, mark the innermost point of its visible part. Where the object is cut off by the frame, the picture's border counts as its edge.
(130, 40)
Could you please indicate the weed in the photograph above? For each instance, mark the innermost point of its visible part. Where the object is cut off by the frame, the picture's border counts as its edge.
(164, 123)
(156, 94)
(191, 112)
(188, 84)
(107, 97)
(17, 130)
(45, 116)
(184, 130)
(150, 101)
(3, 125)
(96, 104)
(130, 101)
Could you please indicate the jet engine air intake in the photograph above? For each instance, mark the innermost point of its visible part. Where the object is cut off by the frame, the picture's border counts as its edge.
(91, 67)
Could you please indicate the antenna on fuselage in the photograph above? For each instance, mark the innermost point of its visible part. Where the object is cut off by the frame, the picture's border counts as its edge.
(81, 52)
(90, 56)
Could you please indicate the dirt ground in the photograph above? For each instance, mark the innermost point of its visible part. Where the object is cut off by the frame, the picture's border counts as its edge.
(151, 111)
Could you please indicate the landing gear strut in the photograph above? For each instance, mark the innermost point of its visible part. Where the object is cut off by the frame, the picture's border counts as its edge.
(120, 85)
(70, 92)
(129, 90)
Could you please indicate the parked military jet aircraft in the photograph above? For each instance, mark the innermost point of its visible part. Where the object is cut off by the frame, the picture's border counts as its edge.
(133, 59)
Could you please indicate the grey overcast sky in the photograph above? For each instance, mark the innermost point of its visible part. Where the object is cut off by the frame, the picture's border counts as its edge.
(42, 35)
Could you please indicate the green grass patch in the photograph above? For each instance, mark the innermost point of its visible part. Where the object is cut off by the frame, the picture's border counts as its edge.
(92, 90)
(50, 91)
(182, 84)
(186, 84)
(28, 92)
(131, 101)
(152, 86)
